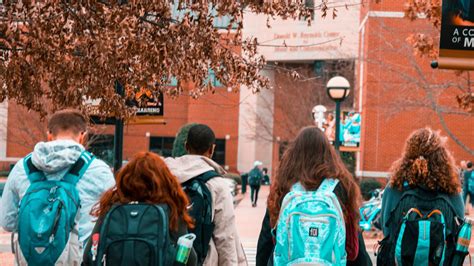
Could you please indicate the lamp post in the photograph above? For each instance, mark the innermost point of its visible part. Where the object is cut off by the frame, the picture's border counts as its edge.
(338, 89)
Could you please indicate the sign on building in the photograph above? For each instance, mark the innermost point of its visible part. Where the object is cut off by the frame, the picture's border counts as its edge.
(457, 35)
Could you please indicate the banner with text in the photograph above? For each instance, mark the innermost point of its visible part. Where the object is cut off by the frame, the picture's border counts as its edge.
(457, 35)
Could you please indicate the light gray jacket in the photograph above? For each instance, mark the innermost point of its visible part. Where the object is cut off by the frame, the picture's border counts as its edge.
(225, 247)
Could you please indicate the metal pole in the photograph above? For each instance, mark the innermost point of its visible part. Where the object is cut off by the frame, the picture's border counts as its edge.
(118, 138)
(338, 125)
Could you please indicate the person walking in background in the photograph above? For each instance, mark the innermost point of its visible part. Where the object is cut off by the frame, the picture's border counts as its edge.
(314, 188)
(422, 198)
(143, 183)
(63, 178)
(217, 241)
(266, 177)
(255, 181)
(468, 185)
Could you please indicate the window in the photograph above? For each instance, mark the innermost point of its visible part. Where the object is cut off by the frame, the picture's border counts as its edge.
(281, 150)
(102, 146)
(212, 78)
(309, 4)
(318, 68)
(219, 152)
(162, 145)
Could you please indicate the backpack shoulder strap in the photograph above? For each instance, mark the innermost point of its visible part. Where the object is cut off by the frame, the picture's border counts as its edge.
(79, 168)
(32, 172)
(204, 177)
(328, 185)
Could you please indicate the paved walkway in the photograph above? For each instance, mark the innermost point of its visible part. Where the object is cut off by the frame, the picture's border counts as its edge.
(249, 221)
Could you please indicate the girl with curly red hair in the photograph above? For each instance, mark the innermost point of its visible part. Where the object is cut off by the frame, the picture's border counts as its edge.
(147, 179)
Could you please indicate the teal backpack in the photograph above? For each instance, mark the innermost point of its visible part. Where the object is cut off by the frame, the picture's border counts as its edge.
(48, 211)
(311, 228)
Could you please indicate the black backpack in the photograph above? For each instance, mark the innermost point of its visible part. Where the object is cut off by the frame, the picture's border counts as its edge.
(135, 234)
(420, 213)
(200, 199)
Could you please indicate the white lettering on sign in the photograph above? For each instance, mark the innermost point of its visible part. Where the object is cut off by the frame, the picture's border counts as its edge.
(469, 42)
(468, 32)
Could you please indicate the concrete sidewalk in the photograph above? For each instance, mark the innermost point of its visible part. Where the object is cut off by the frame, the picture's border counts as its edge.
(249, 221)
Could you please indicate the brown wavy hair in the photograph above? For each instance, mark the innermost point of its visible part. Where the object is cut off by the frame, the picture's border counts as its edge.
(426, 162)
(146, 178)
(309, 159)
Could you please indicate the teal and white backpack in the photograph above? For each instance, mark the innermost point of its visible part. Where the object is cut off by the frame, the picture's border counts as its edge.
(311, 228)
(48, 211)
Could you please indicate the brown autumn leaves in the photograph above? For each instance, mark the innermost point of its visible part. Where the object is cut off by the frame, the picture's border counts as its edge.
(56, 53)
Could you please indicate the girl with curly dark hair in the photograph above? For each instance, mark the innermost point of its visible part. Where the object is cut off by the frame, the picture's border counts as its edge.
(424, 178)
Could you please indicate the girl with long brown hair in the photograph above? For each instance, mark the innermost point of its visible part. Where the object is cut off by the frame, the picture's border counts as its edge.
(147, 179)
(309, 160)
(424, 178)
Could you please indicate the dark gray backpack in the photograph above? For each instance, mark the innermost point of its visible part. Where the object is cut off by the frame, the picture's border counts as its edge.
(135, 234)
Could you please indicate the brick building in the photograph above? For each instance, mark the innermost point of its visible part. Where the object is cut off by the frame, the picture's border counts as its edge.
(399, 92)
(220, 111)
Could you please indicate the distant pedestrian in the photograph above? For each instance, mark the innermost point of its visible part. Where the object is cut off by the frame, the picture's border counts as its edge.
(49, 195)
(131, 217)
(212, 205)
(266, 177)
(314, 206)
(255, 181)
(422, 206)
(468, 185)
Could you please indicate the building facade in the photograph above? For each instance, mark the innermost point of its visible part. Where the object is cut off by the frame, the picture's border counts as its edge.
(398, 92)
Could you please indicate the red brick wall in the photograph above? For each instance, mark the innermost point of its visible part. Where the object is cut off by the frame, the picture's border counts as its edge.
(220, 111)
(395, 87)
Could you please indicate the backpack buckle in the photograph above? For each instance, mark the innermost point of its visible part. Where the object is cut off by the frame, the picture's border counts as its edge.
(52, 194)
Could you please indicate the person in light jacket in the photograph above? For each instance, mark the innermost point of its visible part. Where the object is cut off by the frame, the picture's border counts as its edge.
(225, 247)
(66, 134)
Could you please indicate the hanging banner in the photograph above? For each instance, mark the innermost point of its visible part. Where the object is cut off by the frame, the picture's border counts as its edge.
(457, 35)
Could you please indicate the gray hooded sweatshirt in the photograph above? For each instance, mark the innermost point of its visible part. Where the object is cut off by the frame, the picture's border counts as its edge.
(225, 247)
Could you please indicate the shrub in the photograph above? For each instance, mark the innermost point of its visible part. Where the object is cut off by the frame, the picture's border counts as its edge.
(367, 186)
(178, 144)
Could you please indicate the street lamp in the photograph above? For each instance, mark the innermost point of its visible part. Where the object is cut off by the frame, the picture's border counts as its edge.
(338, 89)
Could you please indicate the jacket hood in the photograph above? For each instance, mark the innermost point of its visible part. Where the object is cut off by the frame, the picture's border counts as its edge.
(53, 157)
(189, 166)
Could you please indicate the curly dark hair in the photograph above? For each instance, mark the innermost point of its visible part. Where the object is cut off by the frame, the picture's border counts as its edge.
(426, 162)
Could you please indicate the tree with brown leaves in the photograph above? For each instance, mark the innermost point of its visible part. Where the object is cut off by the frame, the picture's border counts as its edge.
(60, 53)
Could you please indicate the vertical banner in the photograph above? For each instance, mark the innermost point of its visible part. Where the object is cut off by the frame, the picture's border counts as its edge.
(457, 35)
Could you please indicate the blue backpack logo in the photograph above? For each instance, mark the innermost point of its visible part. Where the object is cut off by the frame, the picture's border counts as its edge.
(311, 228)
(48, 211)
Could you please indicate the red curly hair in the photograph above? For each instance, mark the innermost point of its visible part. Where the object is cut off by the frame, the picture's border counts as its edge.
(426, 162)
(146, 178)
